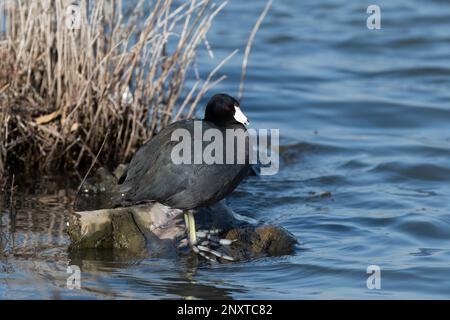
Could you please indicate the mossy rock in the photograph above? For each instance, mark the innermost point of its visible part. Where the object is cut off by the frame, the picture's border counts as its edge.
(106, 230)
(252, 243)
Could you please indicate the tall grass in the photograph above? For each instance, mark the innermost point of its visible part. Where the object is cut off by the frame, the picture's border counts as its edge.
(112, 83)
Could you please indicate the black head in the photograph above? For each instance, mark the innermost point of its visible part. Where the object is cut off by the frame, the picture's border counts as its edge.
(224, 110)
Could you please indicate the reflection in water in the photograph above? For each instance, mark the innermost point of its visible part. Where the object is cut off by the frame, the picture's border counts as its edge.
(34, 256)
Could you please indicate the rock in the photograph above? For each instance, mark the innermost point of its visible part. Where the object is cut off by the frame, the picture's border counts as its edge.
(156, 230)
(123, 228)
(97, 192)
(261, 241)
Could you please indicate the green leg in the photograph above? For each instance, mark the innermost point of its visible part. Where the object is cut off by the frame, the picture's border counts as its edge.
(186, 219)
(192, 231)
(190, 225)
(203, 251)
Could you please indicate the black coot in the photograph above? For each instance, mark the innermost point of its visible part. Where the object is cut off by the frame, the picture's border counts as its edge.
(153, 176)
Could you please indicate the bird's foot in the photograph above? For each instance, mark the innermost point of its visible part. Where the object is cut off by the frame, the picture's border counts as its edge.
(209, 253)
(208, 245)
(207, 237)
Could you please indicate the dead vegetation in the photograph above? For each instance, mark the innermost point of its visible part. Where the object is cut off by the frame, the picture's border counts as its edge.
(65, 93)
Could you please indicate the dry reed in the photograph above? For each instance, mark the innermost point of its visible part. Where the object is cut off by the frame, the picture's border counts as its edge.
(110, 84)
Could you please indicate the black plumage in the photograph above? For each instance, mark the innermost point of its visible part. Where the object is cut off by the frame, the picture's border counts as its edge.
(153, 176)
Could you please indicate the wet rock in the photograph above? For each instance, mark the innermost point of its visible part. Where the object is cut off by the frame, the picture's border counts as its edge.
(98, 191)
(102, 181)
(326, 194)
(156, 230)
(126, 234)
(121, 228)
(251, 242)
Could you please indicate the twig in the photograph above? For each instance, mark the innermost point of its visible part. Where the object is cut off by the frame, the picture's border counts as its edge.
(93, 162)
(11, 196)
(249, 46)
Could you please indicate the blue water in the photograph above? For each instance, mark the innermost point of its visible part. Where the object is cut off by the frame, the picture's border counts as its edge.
(363, 114)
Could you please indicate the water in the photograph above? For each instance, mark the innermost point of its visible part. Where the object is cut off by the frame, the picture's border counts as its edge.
(363, 114)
